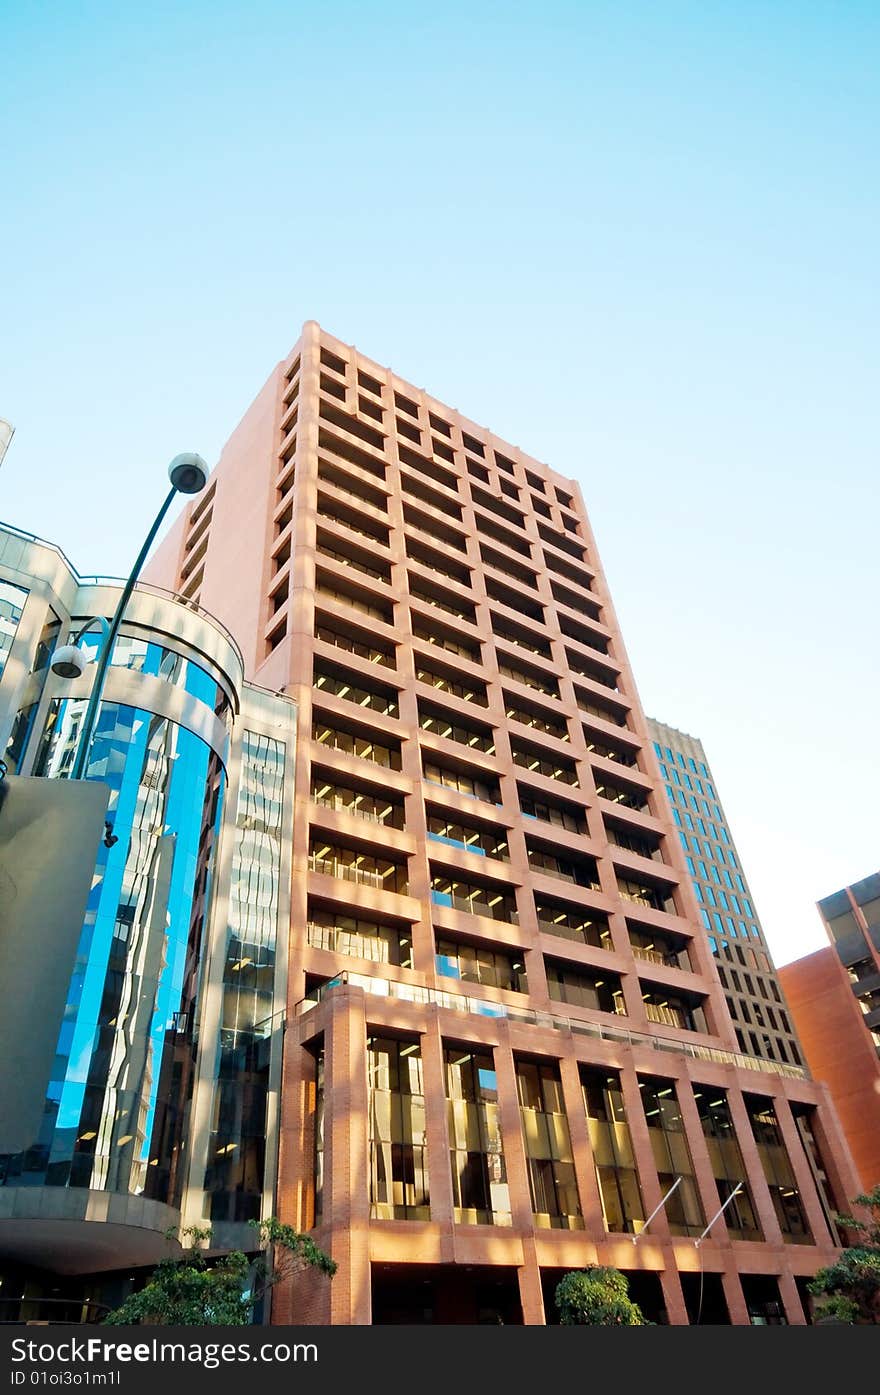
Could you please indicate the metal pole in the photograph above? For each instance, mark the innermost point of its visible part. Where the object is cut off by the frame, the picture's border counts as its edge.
(85, 736)
(719, 1212)
(659, 1207)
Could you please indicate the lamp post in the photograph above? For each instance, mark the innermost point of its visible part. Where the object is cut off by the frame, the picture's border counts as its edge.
(188, 474)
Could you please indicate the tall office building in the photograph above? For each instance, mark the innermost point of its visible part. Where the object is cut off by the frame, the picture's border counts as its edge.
(506, 1038)
(144, 1096)
(754, 997)
(835, 1002)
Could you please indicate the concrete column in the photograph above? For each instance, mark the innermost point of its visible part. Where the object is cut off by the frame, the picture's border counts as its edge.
(512, 1136)
(642, 1151)
(791, 1299)
(673, 1298)
(764, 1208)
(437, 1133)
(530, 1292)
(346, 1164)
(736, 1304)
(584, 1169)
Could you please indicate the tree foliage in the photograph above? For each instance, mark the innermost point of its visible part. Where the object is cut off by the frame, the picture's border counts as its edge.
(197, 1290)
(849, 1289)
(597, 1296)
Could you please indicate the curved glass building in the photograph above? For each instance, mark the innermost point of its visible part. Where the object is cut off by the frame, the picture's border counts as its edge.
(161, 1101)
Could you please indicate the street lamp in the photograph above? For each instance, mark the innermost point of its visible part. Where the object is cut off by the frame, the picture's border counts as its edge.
(188, 474)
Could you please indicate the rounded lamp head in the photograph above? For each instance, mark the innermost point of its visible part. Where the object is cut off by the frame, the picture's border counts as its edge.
(69, 661)
(188, 473)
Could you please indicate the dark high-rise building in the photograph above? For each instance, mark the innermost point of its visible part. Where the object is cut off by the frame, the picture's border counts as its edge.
(754, 997)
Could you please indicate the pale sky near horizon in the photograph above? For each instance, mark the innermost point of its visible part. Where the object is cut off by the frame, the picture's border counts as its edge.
(638, 240)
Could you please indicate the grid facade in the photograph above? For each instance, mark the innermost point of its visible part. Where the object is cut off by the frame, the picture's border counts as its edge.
(835, 1002)
(489, 900)
(754, 997)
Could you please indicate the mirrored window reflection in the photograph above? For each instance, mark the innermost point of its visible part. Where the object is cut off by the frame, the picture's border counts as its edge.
(398, 1141)
(236, 1157)
(116, 1080)
(16, 747)
(555, 1201)
(12, 599)
(672, 1156)
(728, 1167)
(784, 1191)
(157, 660)
(613, 1157)
(481, 1195)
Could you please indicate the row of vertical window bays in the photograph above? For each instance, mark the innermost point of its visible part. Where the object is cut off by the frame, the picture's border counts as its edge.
(547, 851)
(399, 1177)
(769, 1046)
(494, 967)
(369, 692)
(480, 781)
(439, 446)
(356, 502)
(526, 626)
(759, 1019)
(391, 942)
(480, 836)
(444, 659)
(494, 898)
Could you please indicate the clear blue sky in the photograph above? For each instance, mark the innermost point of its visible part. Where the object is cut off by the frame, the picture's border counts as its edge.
(638, 239)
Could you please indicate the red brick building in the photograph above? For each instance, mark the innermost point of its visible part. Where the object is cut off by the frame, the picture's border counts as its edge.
(834, 996)
(506, 1036)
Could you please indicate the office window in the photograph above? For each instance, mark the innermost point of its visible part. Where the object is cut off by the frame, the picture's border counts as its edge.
(552, 1182)
(494, 902)
(12, 599)
(478, 964)
(567, 983)
(613, 1157)
(480, 1192)
(398, 1141)
(778, 1171)
(672, 1157)
(727, 1164)
(359, 938)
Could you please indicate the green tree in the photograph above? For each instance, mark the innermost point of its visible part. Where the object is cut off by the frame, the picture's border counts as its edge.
(198, 1291)
(597, 1296)
(849, 1289)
